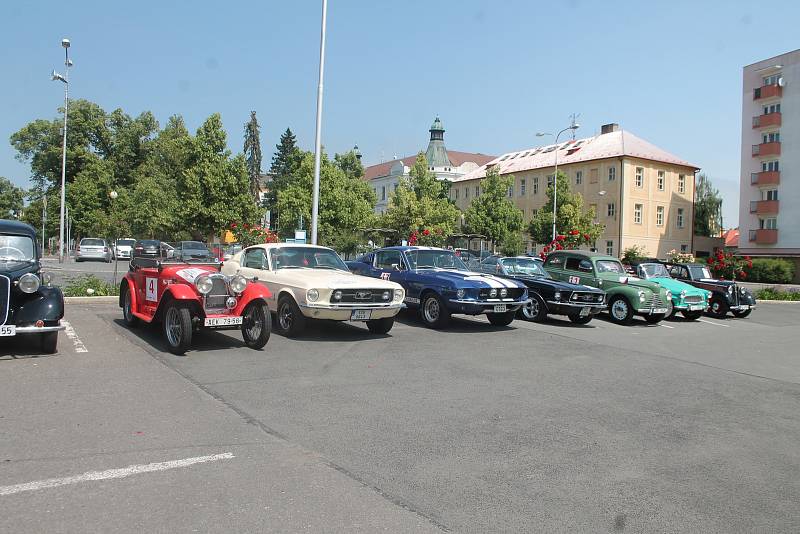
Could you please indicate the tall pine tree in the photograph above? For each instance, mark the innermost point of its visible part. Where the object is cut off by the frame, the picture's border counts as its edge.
(252, 153)
(285, 164)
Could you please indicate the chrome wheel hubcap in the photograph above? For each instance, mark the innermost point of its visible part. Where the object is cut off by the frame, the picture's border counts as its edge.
(619, 309)
(531, 309)
(285, 317)
(127, 305)
(174, 332)
(431, 310)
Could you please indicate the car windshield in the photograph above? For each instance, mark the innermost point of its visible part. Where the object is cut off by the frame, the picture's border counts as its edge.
(148, 243)
(524, 266)
(92, 242)
(653, 270)
(610, 266)
(434, 259)
(306, 258)
(700, 271)
(125, 242)
(16, 248)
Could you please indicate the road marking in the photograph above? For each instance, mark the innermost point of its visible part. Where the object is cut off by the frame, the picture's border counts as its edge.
(715, 324)
(665, 325)
(79, 346)
(111, 473)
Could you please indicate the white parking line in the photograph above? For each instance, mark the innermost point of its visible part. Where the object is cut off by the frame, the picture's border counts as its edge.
(715, 324)
(111, 473)
(79, 346)
(665, 325)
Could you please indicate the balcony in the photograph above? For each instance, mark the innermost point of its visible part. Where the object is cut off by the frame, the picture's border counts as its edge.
(764, 236)
(767, 149)
(764, 207)
(765, 178)
(767, 91)
(768, 119)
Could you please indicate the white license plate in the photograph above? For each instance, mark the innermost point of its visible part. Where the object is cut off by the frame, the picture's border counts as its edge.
(222, 321)
(695, 307)
(660, 310)
(360, 315)
(584, 312)
(499, 308)
(8, 330)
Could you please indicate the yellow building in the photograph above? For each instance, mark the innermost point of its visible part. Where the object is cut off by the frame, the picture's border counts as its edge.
(641, 193)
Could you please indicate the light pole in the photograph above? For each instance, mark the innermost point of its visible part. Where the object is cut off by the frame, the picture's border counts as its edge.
(65, 79)
(318, 134)
(574, 126)
(113, 196)
(44, 221)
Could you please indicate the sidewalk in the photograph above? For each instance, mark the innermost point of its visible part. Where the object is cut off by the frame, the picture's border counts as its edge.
(757, 286)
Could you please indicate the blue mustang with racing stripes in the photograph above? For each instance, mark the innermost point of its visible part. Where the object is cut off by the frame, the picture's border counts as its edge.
(439, 284)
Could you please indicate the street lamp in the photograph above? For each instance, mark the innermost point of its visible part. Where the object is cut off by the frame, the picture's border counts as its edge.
(318, 133)
(113, 196)
(65, 78)
(572, 127)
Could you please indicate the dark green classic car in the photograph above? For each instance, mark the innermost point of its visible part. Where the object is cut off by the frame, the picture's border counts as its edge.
(626, 295)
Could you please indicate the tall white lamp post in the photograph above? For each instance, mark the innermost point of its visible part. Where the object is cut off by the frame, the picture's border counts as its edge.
(318, 134)
(65, 79)
(574, 126)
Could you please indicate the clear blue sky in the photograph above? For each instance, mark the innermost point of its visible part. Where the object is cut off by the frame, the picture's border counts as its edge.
(495, 71)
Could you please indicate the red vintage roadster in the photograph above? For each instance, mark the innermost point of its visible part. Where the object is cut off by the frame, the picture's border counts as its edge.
(185, 296)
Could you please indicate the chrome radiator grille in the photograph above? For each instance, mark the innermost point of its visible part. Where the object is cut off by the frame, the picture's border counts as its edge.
(215, 300)
(5, 298)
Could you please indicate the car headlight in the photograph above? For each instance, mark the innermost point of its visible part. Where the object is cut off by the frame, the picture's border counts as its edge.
(641, 296)
(504, 292)
(337, 295)
(493, 292)
(460, 293)
(238, 283)
(557, 295)
(204, 284)
(730, 289)
(29, 283)
(46, 278)
(312, 295)
(743, 291)
(399, 294)
(386, 295)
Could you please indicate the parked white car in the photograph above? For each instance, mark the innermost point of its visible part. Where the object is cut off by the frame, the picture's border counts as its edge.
(312, 282)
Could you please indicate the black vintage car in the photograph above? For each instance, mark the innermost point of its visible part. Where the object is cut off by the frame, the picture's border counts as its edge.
(548, 296)
(29, 305)
(727, 296)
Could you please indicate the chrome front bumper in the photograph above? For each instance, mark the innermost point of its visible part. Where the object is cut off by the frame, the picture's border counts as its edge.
(38, 329)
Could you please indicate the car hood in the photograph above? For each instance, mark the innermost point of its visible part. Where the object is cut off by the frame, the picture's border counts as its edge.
(532, 281)
(631, 280)
(471, 279)
(14, 269)
(324, 278)
(676, 286)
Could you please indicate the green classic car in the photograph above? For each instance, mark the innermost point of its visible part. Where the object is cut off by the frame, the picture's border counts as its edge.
(627, 295)
(689, 300)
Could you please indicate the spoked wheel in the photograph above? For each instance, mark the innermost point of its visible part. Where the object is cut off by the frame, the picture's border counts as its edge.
(178, 328)
(434, 312)
(256, 325)
(718, 308)
(535, 310)
(290, 320)
(620, 310)
(127, 308)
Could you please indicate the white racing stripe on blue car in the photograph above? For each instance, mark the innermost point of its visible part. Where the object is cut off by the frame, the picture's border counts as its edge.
(492, 281)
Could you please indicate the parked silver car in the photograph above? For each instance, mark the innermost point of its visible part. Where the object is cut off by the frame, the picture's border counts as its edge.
(93, 248)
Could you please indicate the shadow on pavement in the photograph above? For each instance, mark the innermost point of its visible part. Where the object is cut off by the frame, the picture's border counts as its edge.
(23, 347)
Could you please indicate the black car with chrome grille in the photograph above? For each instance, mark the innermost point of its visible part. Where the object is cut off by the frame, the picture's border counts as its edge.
(548, 296)
(726, 295)
(29, 305)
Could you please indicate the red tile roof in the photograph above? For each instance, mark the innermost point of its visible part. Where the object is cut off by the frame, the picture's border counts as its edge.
(456, 158)
(731, 238)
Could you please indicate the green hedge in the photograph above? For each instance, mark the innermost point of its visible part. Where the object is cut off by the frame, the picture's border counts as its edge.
(771, 271)
(771, 293)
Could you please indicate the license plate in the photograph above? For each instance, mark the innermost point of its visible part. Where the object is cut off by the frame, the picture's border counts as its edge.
(660, 310)
(499, 308)
(360, 315)
(695, 307)
(584, 312)
(8, 330)
(222, 321)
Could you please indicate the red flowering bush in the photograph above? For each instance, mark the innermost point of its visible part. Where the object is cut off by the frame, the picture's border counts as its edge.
(427, 237)
(724, 265)
(247, 234)
(571, 240)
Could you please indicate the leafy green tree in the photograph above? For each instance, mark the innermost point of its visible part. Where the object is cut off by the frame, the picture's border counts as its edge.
(492, 213)
(571, 215)
(346, 203)
(350, 164)
(707, 208)
(421, 202)
(252, 153)
(11, 199)
(512, 244)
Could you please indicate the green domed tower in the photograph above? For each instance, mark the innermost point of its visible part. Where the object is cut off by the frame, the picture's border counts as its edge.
(437, 152)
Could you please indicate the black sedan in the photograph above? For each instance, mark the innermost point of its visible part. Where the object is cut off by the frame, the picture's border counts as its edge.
(726, 295)
(148, 248)
(548, 296)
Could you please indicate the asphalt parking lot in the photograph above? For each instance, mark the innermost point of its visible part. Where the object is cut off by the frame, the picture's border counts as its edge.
(682, 427)
(69, 270)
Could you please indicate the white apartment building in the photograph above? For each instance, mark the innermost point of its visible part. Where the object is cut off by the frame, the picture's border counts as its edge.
(769, 198)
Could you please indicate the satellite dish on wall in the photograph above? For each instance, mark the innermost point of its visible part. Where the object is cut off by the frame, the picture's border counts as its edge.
(781, 82)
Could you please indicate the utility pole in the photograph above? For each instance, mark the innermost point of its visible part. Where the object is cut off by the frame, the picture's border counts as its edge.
(318, 134)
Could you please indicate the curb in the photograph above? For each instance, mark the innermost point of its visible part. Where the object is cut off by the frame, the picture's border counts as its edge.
(778, 301)
(91, 300)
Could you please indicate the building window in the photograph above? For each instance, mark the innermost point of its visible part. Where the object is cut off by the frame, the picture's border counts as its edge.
(637, 213)
(772, 137)
(611, 209)
(394, 186)
(768, 224)
(684, 248)
(772, 80)
(593, 174)
(679, 218)
(772, 108)
(660, 216)
(612, 174)
(549, 180)
(522, 187)
(770, 194)
(383, 192)
(456, 193)
(477, 190)
(639, 176)
(578, 177)
(681, 183)
(511, 191)
(770, 166)
(609, 248)
(660, 181)
(466, 192)
(535, 185)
